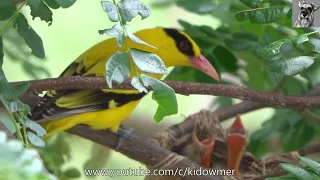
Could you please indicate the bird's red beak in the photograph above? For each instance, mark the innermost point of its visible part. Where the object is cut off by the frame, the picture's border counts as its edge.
(202, 64)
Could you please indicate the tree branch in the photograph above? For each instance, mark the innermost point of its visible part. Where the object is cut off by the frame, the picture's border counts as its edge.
(187, 126)
(141, 150)
(266, 98)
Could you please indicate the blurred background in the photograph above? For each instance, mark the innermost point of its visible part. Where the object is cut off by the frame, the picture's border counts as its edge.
(72, 32)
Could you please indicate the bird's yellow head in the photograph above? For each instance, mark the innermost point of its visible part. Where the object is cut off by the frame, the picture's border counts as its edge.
(189, 52)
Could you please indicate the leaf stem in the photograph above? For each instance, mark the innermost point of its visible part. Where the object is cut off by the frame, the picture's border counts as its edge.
(13, 17)
(4, 102)
(126, 47)
(24, 132)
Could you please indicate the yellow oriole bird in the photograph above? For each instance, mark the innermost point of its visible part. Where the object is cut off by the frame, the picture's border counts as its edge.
(107, 108)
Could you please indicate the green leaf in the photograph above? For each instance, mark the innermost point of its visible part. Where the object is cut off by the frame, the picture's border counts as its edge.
(164, 95)
(148, 62)
(223, 102)
(32, 39)
(41, 10)
(199, 6)
(136, 83)
(242, 41)
(297, 172)
(289, 14)
(261, 15)
(313, 73)
(21, 88)
(65, 3)
(7, 8)
(303, 38)
(36, 127)
(118, 68)
(15, 106)
(52, 4)
(297, 137)
(226, 59)
(292, 66)
(252, 3)
(1, 52)
(129, 9)
(273, 49)
(115, 31)
(315, 166)
(111, 10)
(72, 173)
(287, 177)
(259, 141)
(135, 39)
(35, 140)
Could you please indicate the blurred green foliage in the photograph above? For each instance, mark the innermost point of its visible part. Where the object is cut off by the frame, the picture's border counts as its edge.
(255, 42)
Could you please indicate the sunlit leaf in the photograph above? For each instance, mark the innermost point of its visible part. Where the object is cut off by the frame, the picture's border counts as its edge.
(273, 49)
(148, 62)
(135, 82)
(303, 38)
(129, 9)
(164, 95)
(36, 127)
(312, 164)
(261, 15)
(291, 66)
(41, 10)
(7, 8)
(135, 39)
(32, 39)
(115, 31)
(111, 10)
(65, 3)
(118, 68)
(296, 171)
(35, 140)
(252, 3)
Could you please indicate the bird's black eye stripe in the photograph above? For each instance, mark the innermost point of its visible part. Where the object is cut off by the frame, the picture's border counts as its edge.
(182, 43)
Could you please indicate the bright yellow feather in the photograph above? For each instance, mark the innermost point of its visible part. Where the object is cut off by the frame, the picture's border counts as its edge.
(93, 62)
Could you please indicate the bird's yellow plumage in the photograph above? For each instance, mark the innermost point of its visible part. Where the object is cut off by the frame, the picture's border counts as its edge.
(102, 109)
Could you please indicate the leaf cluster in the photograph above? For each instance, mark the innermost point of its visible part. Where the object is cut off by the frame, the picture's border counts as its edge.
(119, 67)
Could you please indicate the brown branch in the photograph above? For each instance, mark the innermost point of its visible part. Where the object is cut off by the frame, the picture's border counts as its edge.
(186, 88)
(139, 149)
(187, 126)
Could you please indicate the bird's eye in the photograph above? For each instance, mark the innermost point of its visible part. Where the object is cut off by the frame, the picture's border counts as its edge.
(184, 46)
